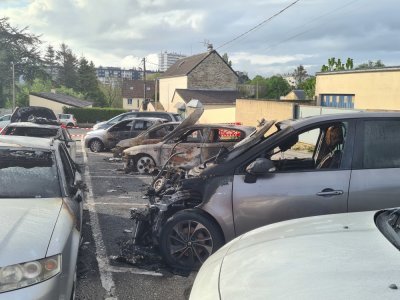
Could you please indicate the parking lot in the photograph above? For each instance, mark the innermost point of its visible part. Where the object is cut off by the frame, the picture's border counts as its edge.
(111, 194)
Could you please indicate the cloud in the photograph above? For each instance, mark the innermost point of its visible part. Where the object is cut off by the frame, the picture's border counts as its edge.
(118, 33)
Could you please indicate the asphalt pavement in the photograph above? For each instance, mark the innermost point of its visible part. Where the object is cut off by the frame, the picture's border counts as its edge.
(111, 194)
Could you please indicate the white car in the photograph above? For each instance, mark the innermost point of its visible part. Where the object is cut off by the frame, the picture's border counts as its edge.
(4, 121)
(41, 195)
(67, 120)
(342, 256)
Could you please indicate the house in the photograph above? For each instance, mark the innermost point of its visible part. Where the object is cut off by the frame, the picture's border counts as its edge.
(219, 106)
(133, 93)
(56, 102)
(370, 89)
(206, 76)
(295, 95)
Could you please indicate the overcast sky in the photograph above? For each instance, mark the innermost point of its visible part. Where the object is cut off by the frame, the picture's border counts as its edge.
(120, 32)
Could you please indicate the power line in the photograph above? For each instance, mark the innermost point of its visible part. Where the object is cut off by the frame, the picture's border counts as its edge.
(258, 25)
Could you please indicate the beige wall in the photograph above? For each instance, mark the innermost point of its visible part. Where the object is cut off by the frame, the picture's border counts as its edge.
(38, 101)
(167, 89)
(218, 114)
(248, 112)
(212, 74)
(135, 103)
(372, 89)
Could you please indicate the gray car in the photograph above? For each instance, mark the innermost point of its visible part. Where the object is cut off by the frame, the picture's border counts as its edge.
(101, 139)
(313, 166)
(342, 256)
(41, 195)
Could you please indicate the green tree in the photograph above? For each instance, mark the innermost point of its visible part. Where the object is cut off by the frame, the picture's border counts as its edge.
(371, 65)
(226, 59)
(50, 62)
(20, 47)
(337, 65)
(88, 84)
(277, 86)
(308, 86)
(299, 74)
(112, 93)
(68, 67)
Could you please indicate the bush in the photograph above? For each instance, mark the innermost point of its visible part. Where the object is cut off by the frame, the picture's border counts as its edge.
(94, 114)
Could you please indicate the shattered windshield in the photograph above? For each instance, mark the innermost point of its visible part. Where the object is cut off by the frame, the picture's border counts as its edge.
(28, 174)
(41, 132)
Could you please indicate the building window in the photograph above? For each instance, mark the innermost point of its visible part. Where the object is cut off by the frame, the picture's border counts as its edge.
(129, 101)
(337, 100)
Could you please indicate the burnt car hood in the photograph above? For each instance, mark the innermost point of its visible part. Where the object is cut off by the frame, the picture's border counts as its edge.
(26, 228)
(22, 114)
(189, 121)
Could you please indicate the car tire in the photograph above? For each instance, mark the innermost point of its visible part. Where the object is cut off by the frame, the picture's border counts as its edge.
(70, 125)
(96, 145)
(144, 164)
(188, 238)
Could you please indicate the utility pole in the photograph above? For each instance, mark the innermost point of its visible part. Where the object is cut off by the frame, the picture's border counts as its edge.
(13, 86)
(144, 83)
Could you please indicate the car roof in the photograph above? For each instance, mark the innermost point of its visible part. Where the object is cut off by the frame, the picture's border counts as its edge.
(12, 141)
(33, 125)
(143, 119)
(298, 123)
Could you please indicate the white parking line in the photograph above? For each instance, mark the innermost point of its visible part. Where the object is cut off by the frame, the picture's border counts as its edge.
(102, 260)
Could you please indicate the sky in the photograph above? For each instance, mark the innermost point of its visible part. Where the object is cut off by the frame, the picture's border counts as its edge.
(120, 33)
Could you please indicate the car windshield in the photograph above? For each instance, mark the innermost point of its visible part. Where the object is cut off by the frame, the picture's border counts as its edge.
(27, 173)
(31, 131)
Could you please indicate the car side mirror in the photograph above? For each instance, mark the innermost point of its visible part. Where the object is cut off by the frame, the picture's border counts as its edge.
(261, 166)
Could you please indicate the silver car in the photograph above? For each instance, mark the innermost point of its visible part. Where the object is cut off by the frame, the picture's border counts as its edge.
(343, 256)
(41, 195)
(102, 139)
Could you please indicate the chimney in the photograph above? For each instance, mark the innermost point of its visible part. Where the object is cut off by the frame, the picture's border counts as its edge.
(209, 47)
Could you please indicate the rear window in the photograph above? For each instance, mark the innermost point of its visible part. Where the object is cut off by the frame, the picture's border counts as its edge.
(33, 132)
(63, 116)
(28, 174)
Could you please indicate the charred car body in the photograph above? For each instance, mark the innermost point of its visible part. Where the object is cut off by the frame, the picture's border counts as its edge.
(313, 166)
(151, 136)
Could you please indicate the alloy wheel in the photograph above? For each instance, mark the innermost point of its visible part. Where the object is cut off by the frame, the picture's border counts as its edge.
(145, 165)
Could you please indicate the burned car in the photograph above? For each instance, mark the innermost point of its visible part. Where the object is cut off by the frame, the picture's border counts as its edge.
(151, 136)
(101, 139)
(190, 145)
(313, 166)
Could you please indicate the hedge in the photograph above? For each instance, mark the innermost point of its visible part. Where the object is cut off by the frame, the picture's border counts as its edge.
(94, 114)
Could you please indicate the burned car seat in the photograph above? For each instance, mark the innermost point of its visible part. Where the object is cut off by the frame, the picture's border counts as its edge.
(334, 142)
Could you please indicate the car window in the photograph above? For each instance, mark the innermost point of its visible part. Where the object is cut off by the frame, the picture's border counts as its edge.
(224, 135)
(158, 133)
(317, 148)
(140, 125)
(68, 170)
(123, 126)
(28, 173)
(32, 131)
(381, 144)
(127, 116)
(193, 136)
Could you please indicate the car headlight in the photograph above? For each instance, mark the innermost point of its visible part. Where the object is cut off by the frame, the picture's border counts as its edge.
(29, 273)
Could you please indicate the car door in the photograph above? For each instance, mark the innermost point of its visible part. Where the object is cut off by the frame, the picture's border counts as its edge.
(300, 186)
(375, 176)
(188, 146)
(217, 139)
(118, 132)
(73, 192)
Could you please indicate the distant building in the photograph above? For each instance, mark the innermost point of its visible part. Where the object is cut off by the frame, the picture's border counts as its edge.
(165, 60)
(133, 93)
(56, 102)
(295, 95)
(108, 75)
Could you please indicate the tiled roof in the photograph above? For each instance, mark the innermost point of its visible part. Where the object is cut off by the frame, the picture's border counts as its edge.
(300, 94)
(185, 65)
(135, 88)
(209, 96)
(64, 99)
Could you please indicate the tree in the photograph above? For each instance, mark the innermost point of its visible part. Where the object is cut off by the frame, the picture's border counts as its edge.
(371, 65)
(226, 59)
(20, 47)
(50, 62)
(308, 86)
(112, 93)
(68, 70)
(299, 74)
(88, 84)
(337, 65)
(277, 86)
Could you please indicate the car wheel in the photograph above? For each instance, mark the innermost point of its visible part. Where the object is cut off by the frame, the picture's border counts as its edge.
(159, 184)
(70, 125)
(145, 164)
(96, 145)
(188, 238)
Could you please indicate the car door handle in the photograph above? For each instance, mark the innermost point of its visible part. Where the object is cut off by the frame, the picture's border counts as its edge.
(330, 192)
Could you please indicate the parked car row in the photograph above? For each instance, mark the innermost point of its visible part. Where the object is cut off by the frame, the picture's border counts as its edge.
(41, 195)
